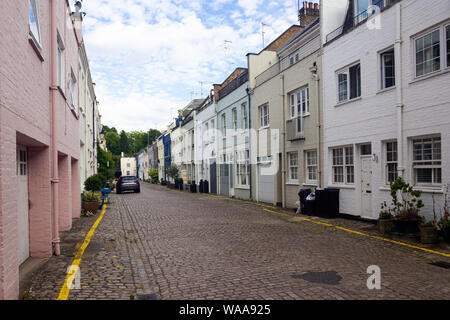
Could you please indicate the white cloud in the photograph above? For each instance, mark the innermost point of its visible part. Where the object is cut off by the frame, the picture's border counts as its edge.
(147, 56)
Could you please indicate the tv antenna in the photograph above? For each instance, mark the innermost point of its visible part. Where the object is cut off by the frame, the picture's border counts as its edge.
(262, 32)
(201, 88)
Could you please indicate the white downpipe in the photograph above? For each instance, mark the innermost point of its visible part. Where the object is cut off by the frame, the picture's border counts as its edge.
(399, 89)
(283, 151)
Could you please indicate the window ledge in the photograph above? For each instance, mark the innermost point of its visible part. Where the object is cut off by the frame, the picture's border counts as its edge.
(347, 101)
(430, 75)
(36, 48)
(310, 184)
(242, 187)
(292, 183)
(341, 186)
(262, 128)
(386, 90)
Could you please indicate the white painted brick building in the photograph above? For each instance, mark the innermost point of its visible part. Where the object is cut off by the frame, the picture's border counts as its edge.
(371, 124)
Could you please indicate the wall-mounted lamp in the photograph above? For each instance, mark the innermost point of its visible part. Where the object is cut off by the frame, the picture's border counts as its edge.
(375, 158)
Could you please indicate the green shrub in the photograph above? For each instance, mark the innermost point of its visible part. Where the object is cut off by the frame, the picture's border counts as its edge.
(95, 182)
(91, 196)
(153, 173)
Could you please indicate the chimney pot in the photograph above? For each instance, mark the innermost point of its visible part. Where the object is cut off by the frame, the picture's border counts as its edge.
(310, 5)
(305, 4)
(316, 6)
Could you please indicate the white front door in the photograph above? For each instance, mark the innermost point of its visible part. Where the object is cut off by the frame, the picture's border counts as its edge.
(23, 230)
(366, 187)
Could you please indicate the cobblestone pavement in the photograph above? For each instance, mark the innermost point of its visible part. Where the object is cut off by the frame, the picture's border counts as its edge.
(191, 246)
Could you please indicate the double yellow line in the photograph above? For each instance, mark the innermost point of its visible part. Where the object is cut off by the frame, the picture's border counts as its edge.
(75, 266)
(364, 234)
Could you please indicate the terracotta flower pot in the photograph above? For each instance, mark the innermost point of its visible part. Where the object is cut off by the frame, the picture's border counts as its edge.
(429, 235)
(385, 226)
(91, 206)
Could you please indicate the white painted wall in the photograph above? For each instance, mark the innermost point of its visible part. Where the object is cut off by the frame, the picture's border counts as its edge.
(373, 118)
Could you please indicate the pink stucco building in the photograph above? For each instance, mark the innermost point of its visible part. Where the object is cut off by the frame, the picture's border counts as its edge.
(39, 131)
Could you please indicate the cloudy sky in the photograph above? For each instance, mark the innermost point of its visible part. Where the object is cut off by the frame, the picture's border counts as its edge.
(148, 58)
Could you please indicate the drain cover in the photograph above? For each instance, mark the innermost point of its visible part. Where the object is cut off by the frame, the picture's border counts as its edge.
(150, 296)
(441, 264)
(327, 277)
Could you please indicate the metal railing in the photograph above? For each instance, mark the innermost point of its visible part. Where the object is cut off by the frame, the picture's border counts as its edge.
(233, 85)
(361, 17)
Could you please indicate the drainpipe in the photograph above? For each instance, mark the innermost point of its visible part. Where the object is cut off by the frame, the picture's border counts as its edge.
(399, 88)
(283, 151)
(249, 141)
(318, 126)
(54, 163)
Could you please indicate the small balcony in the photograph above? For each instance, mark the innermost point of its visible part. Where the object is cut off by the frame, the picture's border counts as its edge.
(351, 22)
(294, 129)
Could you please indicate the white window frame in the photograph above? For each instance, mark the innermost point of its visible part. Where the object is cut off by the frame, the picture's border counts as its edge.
(293, 163)
(444, 50)
(346, 71)
(435, 163)
(311, 167)
(383, 68)
(72, 89)
(224, 125)
(60, 63)
(244, 115)
(33, 5)
(393, 160)
(345, 166)
(264, 116)
(234, 119)
(242, 171)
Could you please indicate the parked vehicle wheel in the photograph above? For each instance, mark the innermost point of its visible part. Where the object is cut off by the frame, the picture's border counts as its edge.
(138, 190)
(118, 191)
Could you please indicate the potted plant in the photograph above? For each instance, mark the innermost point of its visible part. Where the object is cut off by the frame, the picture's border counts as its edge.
(428, 232)
(406, 207)
(444, 222)
(90, 201)
(385, 220)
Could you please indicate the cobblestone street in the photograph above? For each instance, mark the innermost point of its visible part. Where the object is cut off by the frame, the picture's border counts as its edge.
(192, 246)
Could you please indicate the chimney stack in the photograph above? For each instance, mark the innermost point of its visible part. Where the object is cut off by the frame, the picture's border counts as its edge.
(308, 13)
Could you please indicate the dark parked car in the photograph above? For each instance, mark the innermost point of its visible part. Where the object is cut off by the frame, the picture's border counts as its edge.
(128, 183)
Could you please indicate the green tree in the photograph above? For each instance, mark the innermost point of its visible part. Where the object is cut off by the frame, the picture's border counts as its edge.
(124, 143)
(113, 142)
(106, 164)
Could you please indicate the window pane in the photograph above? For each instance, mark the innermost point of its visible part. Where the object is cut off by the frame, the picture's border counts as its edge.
(423, 175)
(342, 86)
(448, 45)
(350, 174)
(388, 60)
(34, 20)
(355, 81)
(338, 174)
(428, 53)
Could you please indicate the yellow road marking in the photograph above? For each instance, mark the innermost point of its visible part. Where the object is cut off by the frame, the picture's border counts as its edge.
(73, 269)
(365, 234)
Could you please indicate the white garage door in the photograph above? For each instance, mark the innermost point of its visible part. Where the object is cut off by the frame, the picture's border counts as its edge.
(266, 184)
(23, 230)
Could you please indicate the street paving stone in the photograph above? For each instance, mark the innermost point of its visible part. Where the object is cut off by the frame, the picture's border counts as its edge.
(178, 245)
